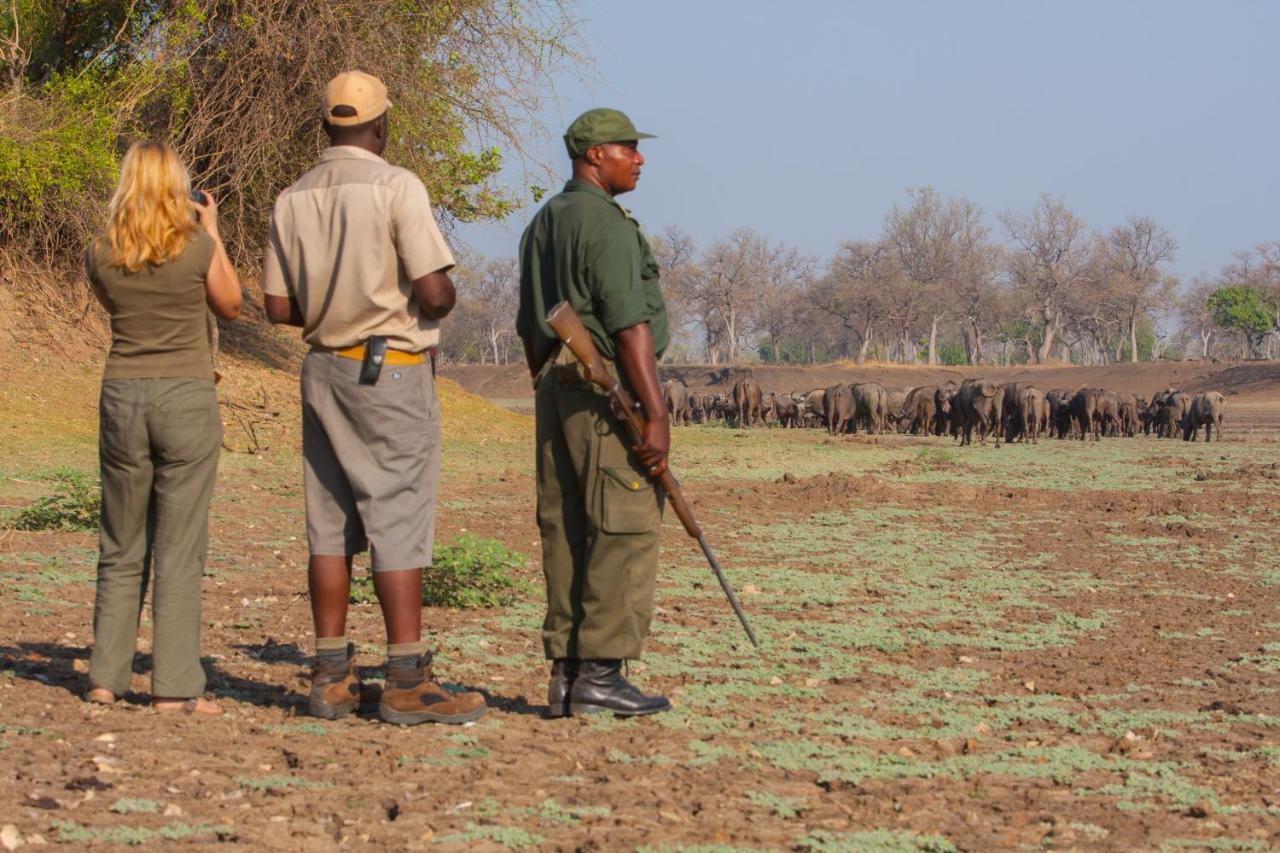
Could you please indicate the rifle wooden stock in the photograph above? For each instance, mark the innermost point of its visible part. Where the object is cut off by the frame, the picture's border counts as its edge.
(567, 325)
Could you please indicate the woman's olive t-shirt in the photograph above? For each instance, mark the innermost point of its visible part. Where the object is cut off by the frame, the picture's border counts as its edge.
(159, 319)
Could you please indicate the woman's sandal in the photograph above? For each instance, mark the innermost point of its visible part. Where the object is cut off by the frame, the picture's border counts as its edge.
(100, 696)
(195, 707)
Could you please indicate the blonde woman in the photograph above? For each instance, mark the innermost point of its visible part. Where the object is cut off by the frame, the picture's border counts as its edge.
(156, 265)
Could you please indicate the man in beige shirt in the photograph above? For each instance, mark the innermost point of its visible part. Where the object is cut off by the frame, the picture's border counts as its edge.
(355, 258)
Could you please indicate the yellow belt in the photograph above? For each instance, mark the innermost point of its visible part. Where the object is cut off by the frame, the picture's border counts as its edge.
(394, 356)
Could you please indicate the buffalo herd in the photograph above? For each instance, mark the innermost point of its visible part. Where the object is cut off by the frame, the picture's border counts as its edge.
(1014, 411)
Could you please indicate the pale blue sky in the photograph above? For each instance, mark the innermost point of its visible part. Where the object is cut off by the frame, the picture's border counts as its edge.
(806, 121)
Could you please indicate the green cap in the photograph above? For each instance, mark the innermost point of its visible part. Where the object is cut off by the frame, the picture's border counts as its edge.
(598, 126)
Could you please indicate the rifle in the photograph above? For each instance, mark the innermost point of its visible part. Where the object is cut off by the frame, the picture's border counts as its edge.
(567, 325)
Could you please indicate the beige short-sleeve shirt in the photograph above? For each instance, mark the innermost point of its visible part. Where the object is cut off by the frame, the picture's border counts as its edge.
(346, 241)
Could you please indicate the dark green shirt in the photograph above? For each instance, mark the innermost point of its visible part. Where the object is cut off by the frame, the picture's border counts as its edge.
(584, 247)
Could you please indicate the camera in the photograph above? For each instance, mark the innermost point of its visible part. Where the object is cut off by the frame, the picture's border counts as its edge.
(198, 196)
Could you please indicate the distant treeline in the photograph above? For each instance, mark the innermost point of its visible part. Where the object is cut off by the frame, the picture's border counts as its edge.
(939, 287)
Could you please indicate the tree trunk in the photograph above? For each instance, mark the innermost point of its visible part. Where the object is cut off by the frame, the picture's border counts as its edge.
(1133, 340)
(731, 331)
(1048, 331)
(933, 342)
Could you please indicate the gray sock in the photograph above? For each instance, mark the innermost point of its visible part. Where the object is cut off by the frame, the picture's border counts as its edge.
(332, 652)
(405, 656)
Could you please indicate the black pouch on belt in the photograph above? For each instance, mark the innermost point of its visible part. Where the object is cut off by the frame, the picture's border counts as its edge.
(375, 353)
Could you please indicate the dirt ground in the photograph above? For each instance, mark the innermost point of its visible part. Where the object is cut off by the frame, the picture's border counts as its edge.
(1069, 646)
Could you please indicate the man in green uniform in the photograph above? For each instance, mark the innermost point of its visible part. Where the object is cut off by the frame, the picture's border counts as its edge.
(598, 510)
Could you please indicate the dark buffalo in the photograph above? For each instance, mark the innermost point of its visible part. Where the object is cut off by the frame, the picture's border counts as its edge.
(870, 407)
(748, 403)
(676, 396)
(1020, 408)
(943, 420)
(1205, 411)
(838, 408)
(788, 409)
(1010, 409)
(813, 409)
(1059, 401)
(1033, 412)
(1172, 412)
(918, 410)
(1085, 414)
(977, 405)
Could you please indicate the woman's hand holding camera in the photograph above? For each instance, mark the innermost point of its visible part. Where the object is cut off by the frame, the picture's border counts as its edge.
(206, 211)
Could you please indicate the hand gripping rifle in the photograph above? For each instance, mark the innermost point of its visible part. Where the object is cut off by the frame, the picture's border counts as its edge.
(565, 322)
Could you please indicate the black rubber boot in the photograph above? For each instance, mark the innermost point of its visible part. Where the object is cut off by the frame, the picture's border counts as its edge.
(601, 687)
(563, 672)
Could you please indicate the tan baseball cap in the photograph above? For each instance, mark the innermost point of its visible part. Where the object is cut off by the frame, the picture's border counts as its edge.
(354, 97)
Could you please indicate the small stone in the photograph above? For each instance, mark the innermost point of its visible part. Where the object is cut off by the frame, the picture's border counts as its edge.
(173, 810)
(1201, 809)
(106, 737)
(1030, 685)
(775, 681)
(10, 838)
(965, 659)
(106, 764)
(80, 665)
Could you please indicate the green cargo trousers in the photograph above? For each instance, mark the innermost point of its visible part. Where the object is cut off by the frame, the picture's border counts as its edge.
(158, 443)
(600, 520)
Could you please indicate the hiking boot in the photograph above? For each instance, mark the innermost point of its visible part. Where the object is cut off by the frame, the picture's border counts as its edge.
(600, 686)
(335, 689)
(563, 672)
(412, 697)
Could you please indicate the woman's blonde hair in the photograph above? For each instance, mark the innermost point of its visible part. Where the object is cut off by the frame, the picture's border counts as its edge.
(150, 217)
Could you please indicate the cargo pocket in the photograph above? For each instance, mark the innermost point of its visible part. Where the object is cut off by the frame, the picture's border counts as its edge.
(630, 505)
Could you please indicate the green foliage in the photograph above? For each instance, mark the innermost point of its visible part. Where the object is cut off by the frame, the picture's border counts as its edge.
(953, 354)
(467, 572)
(783, 807)
(1242, 309)
(57, 160)
(790, 350)
(507, 836)
(277, 783)
(74, 505)
(94, 75)
(70, 832)
(874, 839)
(128, 806)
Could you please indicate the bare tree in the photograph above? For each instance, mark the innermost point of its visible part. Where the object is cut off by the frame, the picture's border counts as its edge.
(1136, 254)
(483, 326)
(1195, 314)
(677, 258)
(730, 275)
(855, 290)
(787, 274)
(1051, 257)
(933, 239)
